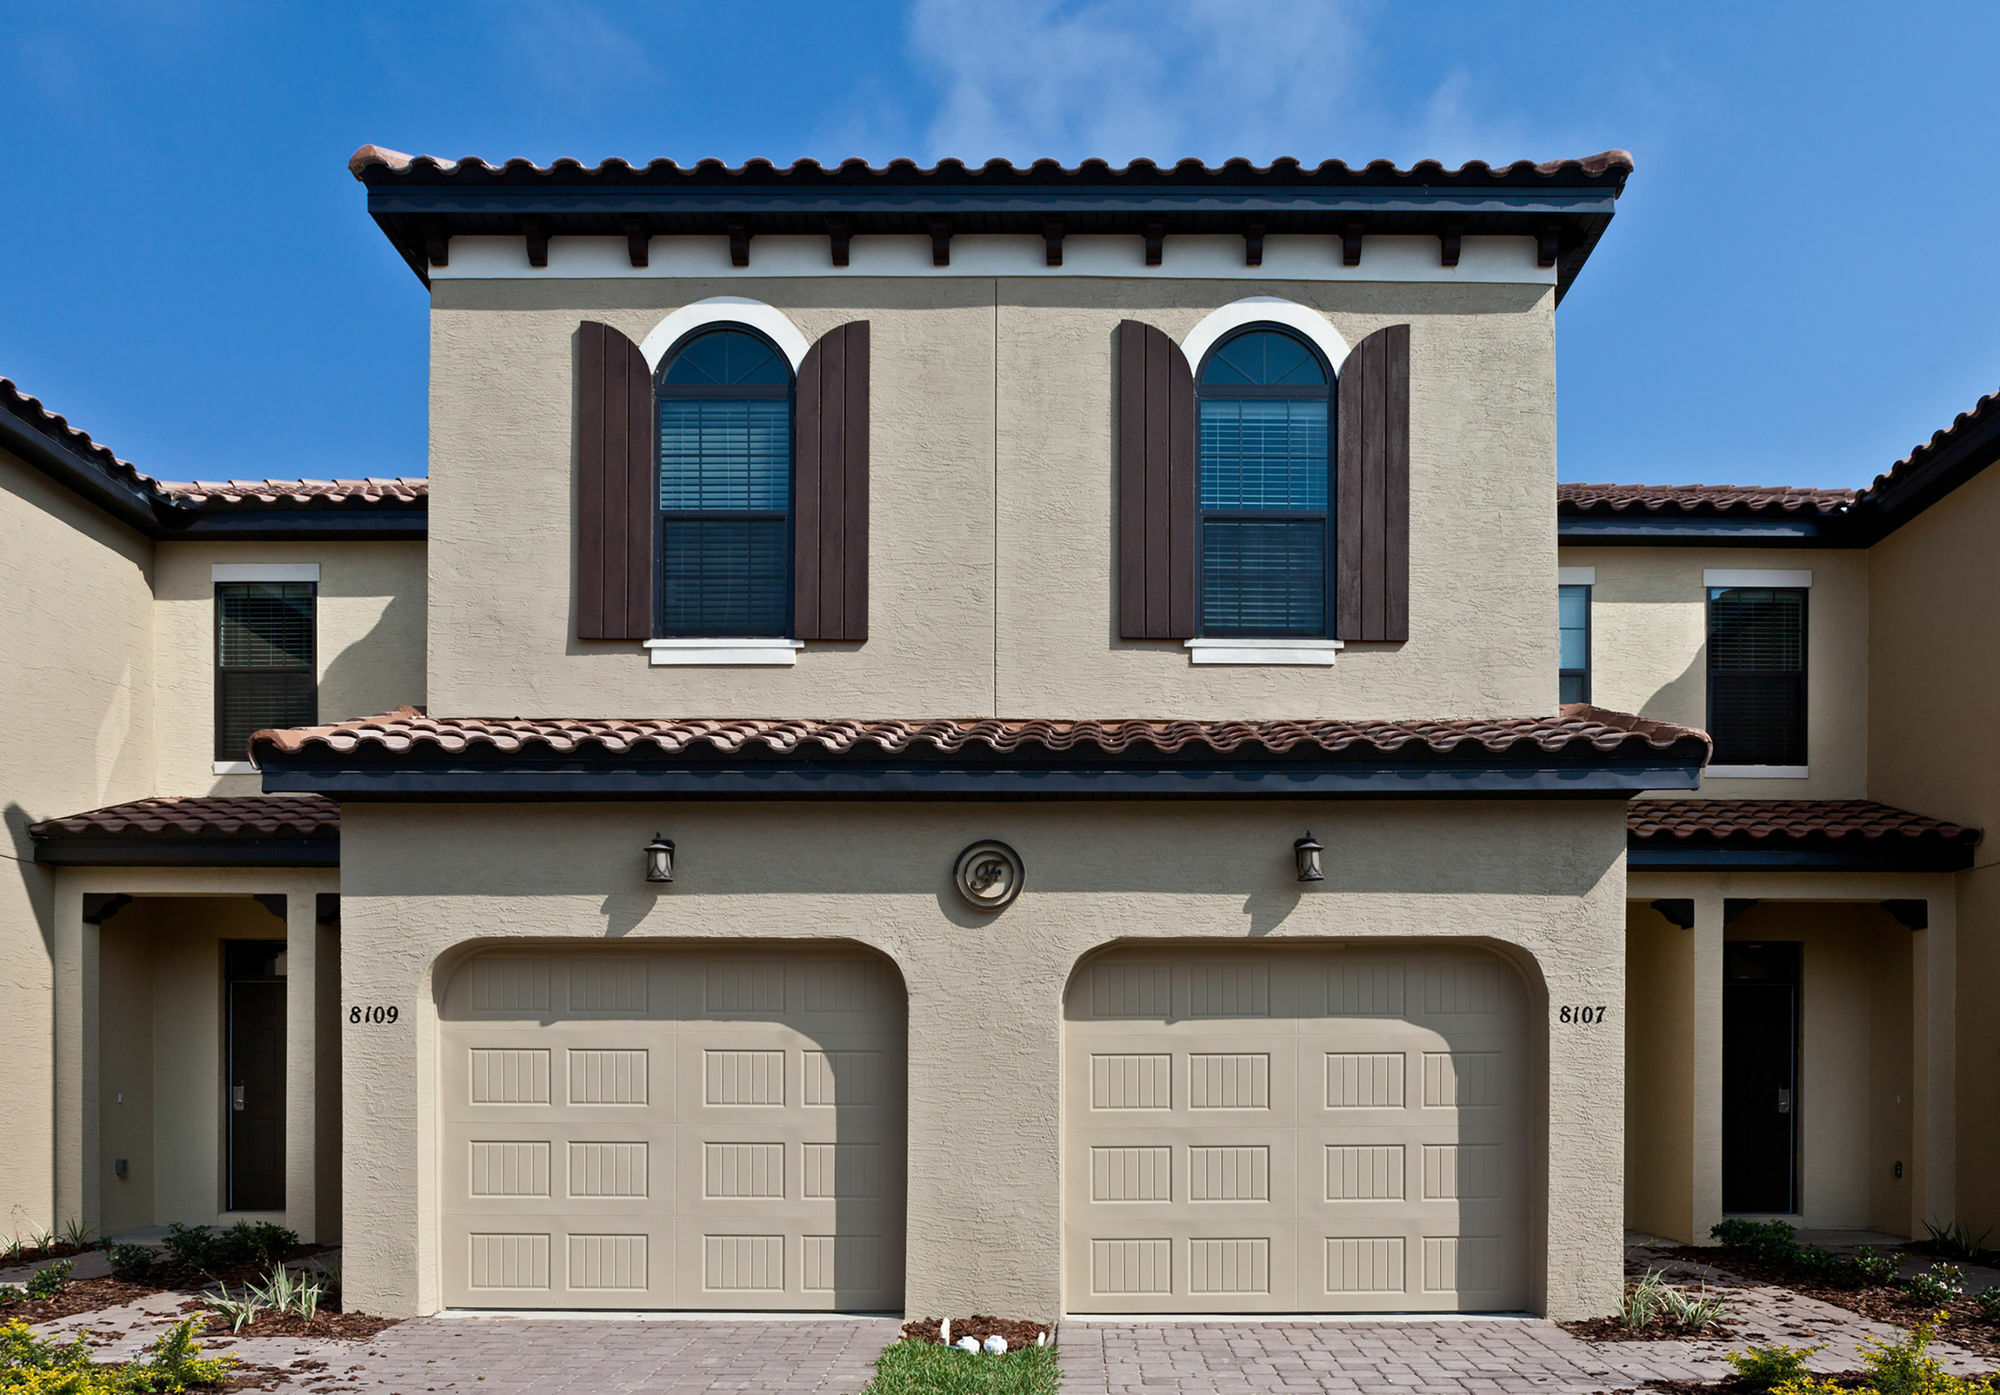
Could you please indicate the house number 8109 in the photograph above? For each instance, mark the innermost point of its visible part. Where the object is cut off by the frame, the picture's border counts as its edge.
(389, 1014)
(1589, 1016)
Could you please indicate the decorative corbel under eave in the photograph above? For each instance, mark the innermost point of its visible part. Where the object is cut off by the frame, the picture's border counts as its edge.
(1156, 241)
(739, 244)
(1910, 914)
(1350, 242)
(638, 243)
(1052, 240)
(940, 242)
(537, 233)
(1448, 243)
(1677, 911)
(437, 243)
(1253, 242)
(839, 237)
(1548, 245)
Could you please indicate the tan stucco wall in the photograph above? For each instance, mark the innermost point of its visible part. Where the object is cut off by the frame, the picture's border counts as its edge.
(1545, 880)
(161, 1040)
(76, 730)
(1648, 651)
(370, 643)
(1935, 660)
(992, 537)
(1659, 1074)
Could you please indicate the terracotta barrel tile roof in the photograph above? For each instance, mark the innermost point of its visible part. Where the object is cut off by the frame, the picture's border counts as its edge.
(379, 162)
(202, 816)
(409, 730)
(1749, 822)
(269, 493)
(1699, 498)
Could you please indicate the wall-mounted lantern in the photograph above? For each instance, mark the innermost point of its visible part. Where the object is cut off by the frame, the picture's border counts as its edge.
(660, 859)
(1306, 853)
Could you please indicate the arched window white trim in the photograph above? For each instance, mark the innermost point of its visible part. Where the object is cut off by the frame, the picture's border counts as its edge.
(1263, 309)
(725, 309)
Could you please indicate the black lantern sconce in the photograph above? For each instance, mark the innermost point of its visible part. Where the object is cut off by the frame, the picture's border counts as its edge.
(660, 859)
(1306, 853)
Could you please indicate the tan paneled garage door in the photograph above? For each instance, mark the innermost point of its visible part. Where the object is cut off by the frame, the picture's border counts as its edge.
(1285, 1130)
(687, 1128)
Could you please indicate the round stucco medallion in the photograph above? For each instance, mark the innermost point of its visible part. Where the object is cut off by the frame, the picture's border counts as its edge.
(989, 875)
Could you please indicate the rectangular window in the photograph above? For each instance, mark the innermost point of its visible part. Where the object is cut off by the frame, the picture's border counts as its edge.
(1265, 516)
(1573, 642)
(1757, 675)
(266, 668)
(725, 526)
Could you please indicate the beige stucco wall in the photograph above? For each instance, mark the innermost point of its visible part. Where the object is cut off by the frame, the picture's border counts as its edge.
(1934, 666)
(162, 1049)
(76, 730)
(1659, 1074)
(370, 643)
(1544, 880)
(1648, 651)
(992, 537)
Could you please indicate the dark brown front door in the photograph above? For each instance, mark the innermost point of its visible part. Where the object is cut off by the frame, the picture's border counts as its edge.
(255, 1084)
(1760, 1077)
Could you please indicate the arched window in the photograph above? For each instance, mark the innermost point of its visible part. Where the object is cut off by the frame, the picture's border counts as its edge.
(725, 498)
(1266, 424)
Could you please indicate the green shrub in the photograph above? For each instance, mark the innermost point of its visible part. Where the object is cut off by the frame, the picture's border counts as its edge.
(1766, 1240)
(11, 1294)
(1898, 1368)
(1875, 1270)
(1989, 1304)
(1956, 1240)
(1765, 1367)
(46, 1283)
(247, 1242)
(30, 1365)
(132, 1263)
(191, 1245)
(1939, 1284)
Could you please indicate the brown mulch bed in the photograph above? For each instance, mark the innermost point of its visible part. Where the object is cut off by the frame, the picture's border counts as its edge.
(167, 1275)
(1966, 1327)
(329, 1324)
(1658, 1330)
(981, 1325)
(248, 1375)
(41, 1254)
(77, 1296)
(1733, 1384)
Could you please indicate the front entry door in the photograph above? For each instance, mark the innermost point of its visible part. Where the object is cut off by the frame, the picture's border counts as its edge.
(1760, 1041)
(254, 1083)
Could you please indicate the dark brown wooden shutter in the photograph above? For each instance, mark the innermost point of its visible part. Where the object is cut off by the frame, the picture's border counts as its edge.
(1372, 490)
(614, 495)
(1156, 486)
(830, 488)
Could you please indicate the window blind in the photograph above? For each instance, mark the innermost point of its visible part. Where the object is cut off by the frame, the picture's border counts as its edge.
(265, 663)
(1757, 675)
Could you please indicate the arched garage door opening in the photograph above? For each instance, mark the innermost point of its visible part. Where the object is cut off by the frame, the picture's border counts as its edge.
(1297, 1129)
(673, 1127)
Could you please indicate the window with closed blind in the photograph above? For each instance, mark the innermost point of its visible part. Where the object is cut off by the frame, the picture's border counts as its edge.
(1757, 675)
(1265, 421)
(1573, 642)
(724, 399)
(266, 668)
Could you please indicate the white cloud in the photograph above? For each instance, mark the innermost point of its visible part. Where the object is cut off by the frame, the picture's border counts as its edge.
(1207, 78)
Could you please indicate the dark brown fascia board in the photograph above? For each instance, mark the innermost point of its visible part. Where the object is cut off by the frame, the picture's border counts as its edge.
(115, 850)
(1889, 504)
(414, 215)
(165, 519)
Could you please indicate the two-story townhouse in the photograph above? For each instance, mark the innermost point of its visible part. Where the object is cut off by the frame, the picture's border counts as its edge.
(985, 737)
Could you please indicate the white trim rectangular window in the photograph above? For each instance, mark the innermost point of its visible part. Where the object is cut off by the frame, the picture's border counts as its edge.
(266, 660)
(1573, 641)
(1757, 677)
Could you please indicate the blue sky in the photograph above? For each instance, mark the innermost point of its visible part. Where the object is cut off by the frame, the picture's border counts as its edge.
(1800, 283)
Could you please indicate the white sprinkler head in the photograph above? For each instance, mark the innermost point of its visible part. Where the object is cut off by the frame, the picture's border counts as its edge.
(995, 1345)
(1041, 1339)
(967, 1344)
(944, 1331)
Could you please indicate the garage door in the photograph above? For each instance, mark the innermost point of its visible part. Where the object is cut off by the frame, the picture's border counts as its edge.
(673, 1129)
(1325, 1130)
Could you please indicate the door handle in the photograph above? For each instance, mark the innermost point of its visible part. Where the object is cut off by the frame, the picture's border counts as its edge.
(1784, 1101)
(236, 1098)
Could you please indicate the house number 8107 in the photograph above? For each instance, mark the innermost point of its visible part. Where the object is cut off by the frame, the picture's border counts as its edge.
(1589, 1016)
(389, 1014)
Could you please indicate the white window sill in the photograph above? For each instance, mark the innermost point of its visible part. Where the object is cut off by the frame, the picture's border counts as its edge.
(723, 653)
(1754, 772)
(1307, 653)
(234, 767)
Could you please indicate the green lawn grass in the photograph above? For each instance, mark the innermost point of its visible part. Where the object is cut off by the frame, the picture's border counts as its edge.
(925, 1368)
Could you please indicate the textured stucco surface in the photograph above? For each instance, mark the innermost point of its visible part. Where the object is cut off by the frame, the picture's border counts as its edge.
(1649, 642)
(1659, 1074)
(75, 695)
(1541, 882)
(370, 643)
(1936, 649)
(992, 518)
